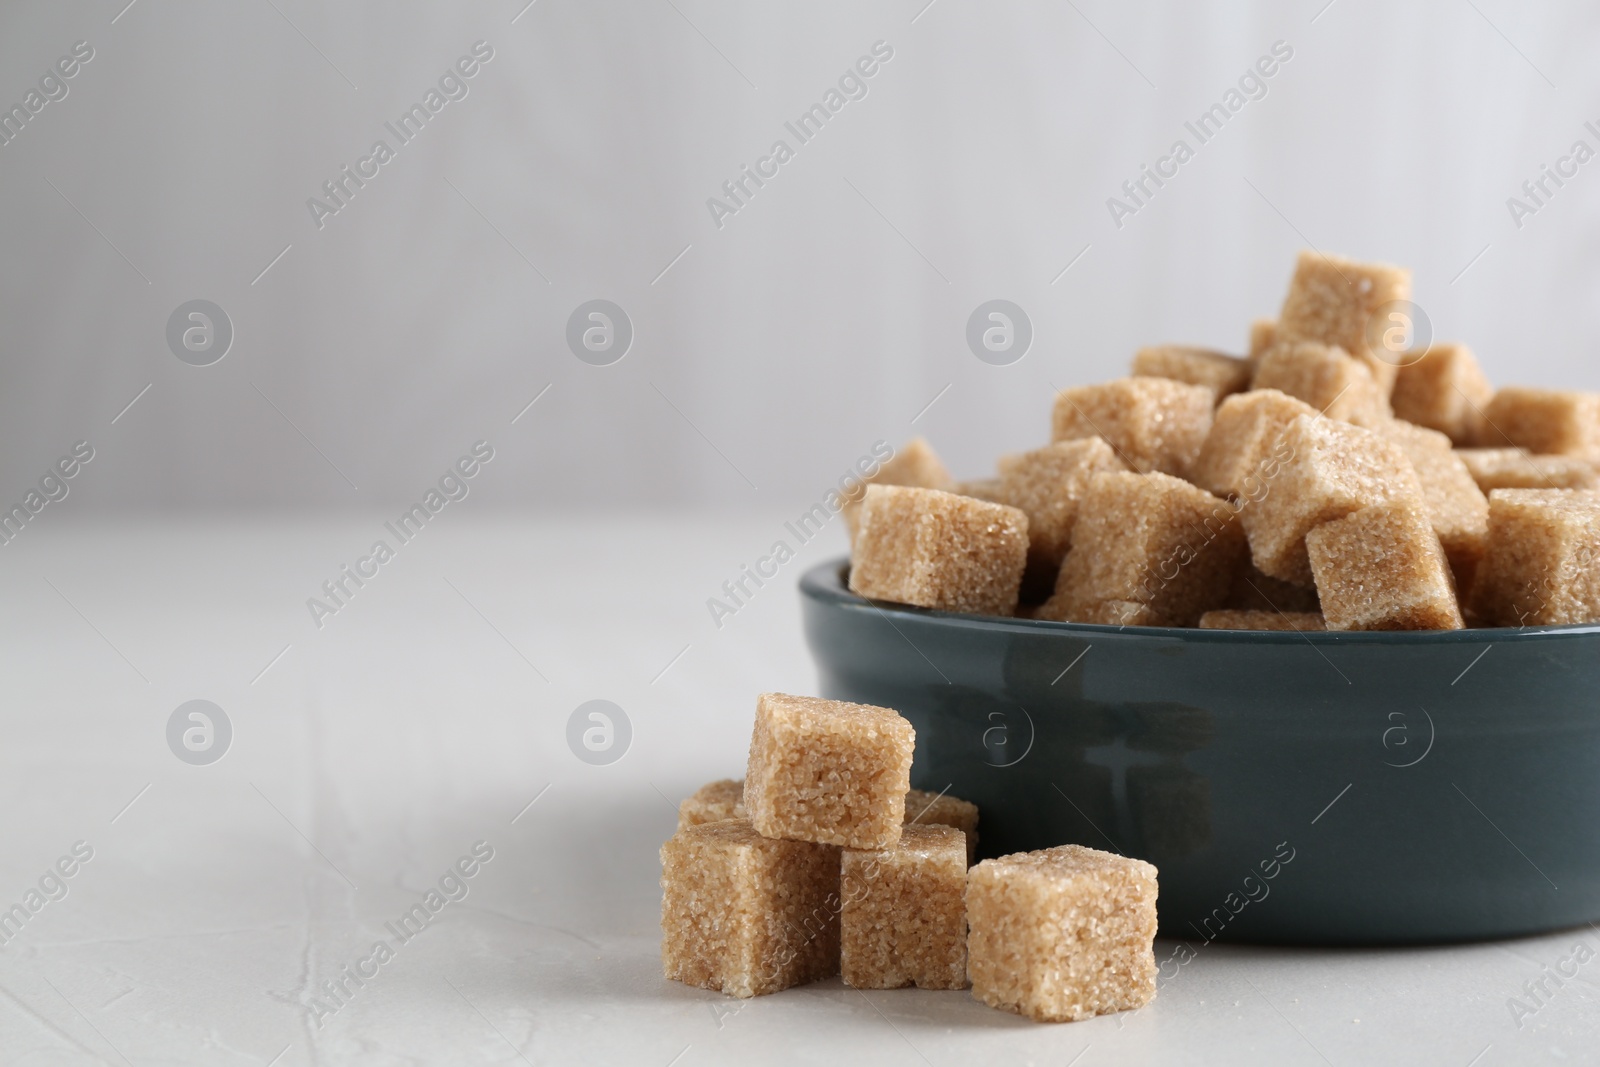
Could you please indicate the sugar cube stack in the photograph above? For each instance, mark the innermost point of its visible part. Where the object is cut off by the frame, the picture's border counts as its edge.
(841, 870)
(1062, 934)
(752, 905)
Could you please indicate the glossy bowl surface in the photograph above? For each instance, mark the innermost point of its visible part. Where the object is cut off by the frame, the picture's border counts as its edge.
(1324, 788)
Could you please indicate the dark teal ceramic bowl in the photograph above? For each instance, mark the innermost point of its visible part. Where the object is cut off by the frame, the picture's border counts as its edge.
(1331, 788)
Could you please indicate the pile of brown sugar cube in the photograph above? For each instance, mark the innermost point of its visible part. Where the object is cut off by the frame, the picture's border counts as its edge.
(824, 861)
(1324, 481)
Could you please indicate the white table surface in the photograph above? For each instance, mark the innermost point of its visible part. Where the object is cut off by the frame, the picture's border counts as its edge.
(377, 750)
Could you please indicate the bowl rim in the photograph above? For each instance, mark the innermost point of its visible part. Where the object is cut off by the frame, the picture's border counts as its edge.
(824, 583)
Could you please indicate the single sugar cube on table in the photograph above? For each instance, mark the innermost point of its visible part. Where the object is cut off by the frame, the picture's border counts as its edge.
(916, 464)
(1150, 540)
(1543, 420)
(828, 771)
(1062, 934)
(1047, 484)
(1542, 567)
(1332, 469)
(934, 549)
(942, 809)
(904, 915)
(1443, 388)
(1154, 424)
(1240, 452)
(1458, 508)
(1325, 377)
(713, 802)
(746, 914)
(1221, 373)
(1246, 619)
(1359, 307)
(1382, 568)
(1516, 468)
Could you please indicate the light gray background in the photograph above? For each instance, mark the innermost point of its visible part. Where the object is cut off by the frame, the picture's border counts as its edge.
(824, 316)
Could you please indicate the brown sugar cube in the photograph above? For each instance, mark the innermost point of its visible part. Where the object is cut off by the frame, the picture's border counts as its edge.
(938, 550)
(1342, 302)
(1443, 388)
(1543, 563)
(1236, 619)
(1514, 468)
(746, 914)
(1154, 424)
(828, 771)
(713, 802)
(1062, 934)
(1327, 378)
(1221, 373)
(1332, 469)
(1254, 591)
(942, 809)
(1151, 540)
(1238, 450)
(1543, 420)
(1047, 484)
(916, 464)
(904, 917)
(1458, 508)
(1382, 568)
(1263, 335)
